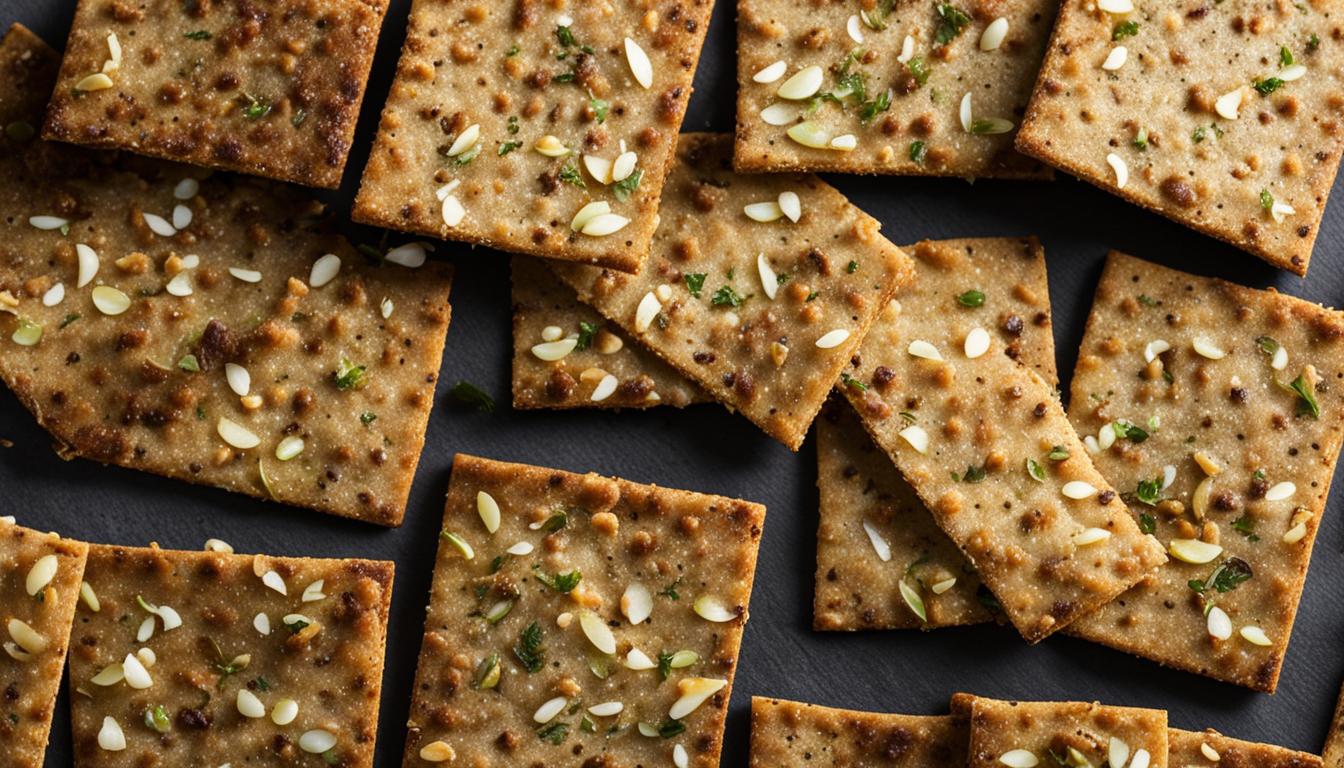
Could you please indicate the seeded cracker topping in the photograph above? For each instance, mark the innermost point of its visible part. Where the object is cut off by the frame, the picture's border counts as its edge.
(1223, 116)
(886, 87)
(1218, 411)
(1023, 734)
(772, 308)
(599, 621)
(173, 665)
(271, 87)
(535, 130)
(245, 349)
(787, 734)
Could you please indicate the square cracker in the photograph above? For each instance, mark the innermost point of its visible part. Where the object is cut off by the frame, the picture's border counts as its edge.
(789, 734)
(591, 349)
(1187, 749)
(856, 587)
(572, 562)
(972, 430)
(703, 301)
(1238, 415)
(255, 632)
(521, 78)
(40, 574)
(920, 131)
(1044, 729)
(270, 88)
(123, 390)
(1158, 114)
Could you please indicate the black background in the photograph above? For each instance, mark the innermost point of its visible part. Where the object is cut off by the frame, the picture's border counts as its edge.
(707, 449)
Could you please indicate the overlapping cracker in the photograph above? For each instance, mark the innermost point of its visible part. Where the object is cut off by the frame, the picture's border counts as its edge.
(884, 86)
(1333, 752)
(988, 449)
(579, 618)
(1221, 116)
(40, 574)
(508, 119)
(1233, 430)
(703, 301)
(252, 660)
(857, 587)
(1209, 748)
(120, 330)
(270, 88)
(788, 734)
(1022, 733)
(566, 355)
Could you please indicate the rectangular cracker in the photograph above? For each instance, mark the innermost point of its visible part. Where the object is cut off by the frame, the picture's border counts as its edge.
(1157, 115)
(973, 436)
(255, 632)
(500, 605)
(1046, 729)
(864, 85)
(120, 389)
(40, 574)
(1333, 752)
(271, 89)
(831, 271)
(590, 349)
(1231, 411)
(860, 488)
(789, 734)
(1188, 749)
(537, 101)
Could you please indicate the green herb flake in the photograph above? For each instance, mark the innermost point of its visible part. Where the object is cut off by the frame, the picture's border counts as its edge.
(626, 187)
(1245, 525)
(256, 108)
(350, 376)
(570, 175)
(1306, 394)
(1147, 523)
(512, 126)
(512, 51)
(1313, 42)
(1268, 85)
(1267, 344)
(1285, 57)
(555, 522)
(1141, 139)
(1149, 491)
(1124, 29)
(189, 363)
(1058, 453)
(508, 147)
(853, 383)
(529, 650)
(157, 719)
(600, 108)
(1148, 301)
(951, 21)
(670, 591)
(974, 474)
(1266, 200)
(919, 70)
(918, 151)
(852, 267)
(367, 417)
(726, 296)
(555, 733)
(873, 107)
(587, 331)
(1198, 135)
(972, 298)
(1036, 471)
(199, 34)
(1227, 576)
(565, 36)
(468, 394)
(670, 728)
(564, 583)
(695, 282)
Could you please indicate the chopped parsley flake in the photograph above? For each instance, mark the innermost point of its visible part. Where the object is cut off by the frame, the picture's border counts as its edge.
(1125, 29)
(1245, 525)
(554, 733)
(565, 36)
(951, 21)
(1147, 523)
(918, 70)
(1266, 200)
(1307, 395)
(626, 187)
(852, 267)
(1036, 471)
(853, 383)
(1285, 57)
(512, 126)
(1229, 574)
(726, 296)
(1313, 42)
(513, 51)
(1268, 85)
(368, 417)
(1148, 301)
(350, 376)
(586, 333)
(1149, 491)
(466, 393)
(256, 108)
(695, 282)
(199, 34)
(600, 108)
(1141, 139)
(570, 175)
(918, 151)
(529, 649)
(508, 147)
(973, 475)
(1126, 431)
(564, 583)
(972, 298)
(873, 107)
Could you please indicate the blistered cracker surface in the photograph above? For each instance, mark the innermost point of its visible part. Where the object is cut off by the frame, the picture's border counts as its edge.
(615, 533)
(31, 684)
(1186, 749)
(1197, 166)
(1232, 410)
(985, 418)
(507, 68)
(1042, 728)
(265, 87)
(920, 133)
(541, 301)
(833, 271)
(328, 659)
(789, 734)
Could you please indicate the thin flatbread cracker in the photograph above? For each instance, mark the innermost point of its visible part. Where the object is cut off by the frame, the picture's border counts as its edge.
(1029, 733)
(270, 89)
(761, 312)
(566, 355)
(535, 128)
(985, 443)
(1221, 116)
(1333, 753)
(878, 87)
(253, 660)
(40, 574)
(580, 618)
(230, 351)
(789, 734)
(874, 533)
(1221, 457)
(1209, 748)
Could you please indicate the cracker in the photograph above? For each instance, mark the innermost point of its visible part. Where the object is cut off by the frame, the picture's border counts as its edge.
(501, 114)
(1333, 753)
(702, 302)
(902, 111)
(271, 90)
(1231, 414)
(788, 733)
(598, 370)
(255, 633)
(1005, 278)
(589, 555)
(1188, 748)
(973, 435)
(40, 575)
(1015, 732)
(122, 389)
(1255, 175)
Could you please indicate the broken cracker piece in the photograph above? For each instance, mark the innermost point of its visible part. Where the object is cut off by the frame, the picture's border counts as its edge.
(1025, 734)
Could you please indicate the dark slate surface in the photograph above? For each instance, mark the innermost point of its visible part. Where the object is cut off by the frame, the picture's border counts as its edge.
(707, 449)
